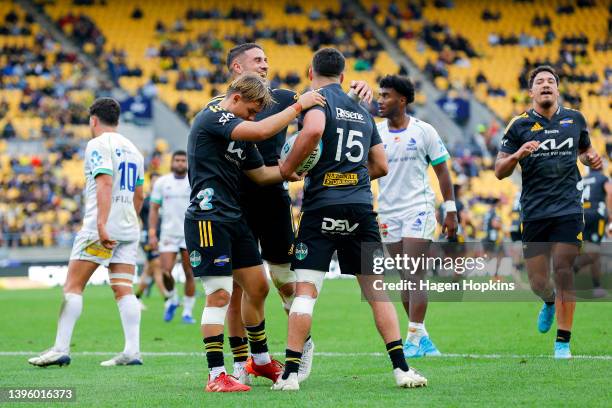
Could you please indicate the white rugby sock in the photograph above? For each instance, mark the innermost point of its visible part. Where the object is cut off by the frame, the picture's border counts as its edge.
(261, 358)
(71, 309)
(129, 310)
(415, 332)
(188, 302)
(238, 365)
(216, 371)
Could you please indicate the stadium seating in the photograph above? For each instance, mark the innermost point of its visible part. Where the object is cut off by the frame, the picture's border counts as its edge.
(209, 39)
(502, 65)
(451, 42)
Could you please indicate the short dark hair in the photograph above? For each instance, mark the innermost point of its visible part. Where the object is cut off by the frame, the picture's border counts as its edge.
(401, 84)
(239, 50)
(179, 153)
(107, 110)
(328, 62)
(542, 68)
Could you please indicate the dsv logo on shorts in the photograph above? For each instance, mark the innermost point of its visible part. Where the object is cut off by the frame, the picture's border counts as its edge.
(338, 226)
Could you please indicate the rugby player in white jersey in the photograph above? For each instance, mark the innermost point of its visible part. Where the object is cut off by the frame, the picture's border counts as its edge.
(406, 202)
(171, 195)
(114, 172)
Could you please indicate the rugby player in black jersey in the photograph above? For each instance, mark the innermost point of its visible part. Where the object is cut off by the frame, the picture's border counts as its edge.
(597, 203)
(337, 213)
(221, 247)
(267, 210)
(546, 141)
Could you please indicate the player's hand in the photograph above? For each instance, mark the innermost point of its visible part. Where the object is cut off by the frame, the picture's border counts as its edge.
(363, 90)
(105, 239)
(450, 225)
(310, 99)
(593, 160)
(153, 242)
(527, 149)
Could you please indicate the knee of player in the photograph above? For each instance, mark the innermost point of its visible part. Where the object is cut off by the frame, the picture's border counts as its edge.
(218, 290)
(287, 290)
(538, 285)
(219, 298)
(308, 282)
(258, 291)
(121, 283)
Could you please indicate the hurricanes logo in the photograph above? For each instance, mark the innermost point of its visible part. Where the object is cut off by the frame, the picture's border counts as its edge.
(536, 127)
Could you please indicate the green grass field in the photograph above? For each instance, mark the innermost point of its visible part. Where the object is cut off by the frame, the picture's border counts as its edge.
(510, 367)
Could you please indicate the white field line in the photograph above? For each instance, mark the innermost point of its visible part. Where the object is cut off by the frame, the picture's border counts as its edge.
(319, 354)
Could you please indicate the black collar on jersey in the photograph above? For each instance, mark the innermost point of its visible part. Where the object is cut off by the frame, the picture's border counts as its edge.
(536, 114)
(332, 85)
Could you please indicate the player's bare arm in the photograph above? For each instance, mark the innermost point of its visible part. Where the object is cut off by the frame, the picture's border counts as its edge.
(589, 157)
(268, 127)
(377, 162)
(153, 220)
(104, 188)
(312, 131)
(138, 198)
(449, 225)
(505, 163)
(266, 175)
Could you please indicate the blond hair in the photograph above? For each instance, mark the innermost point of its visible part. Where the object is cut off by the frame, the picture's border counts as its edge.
(252, 88)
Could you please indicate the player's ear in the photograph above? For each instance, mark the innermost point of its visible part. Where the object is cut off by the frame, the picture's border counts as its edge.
(341, 77)
(530, 93)
(237, 68)
(236, 98)
(310, 73)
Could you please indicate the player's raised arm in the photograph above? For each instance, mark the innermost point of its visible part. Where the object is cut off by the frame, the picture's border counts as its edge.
(270, 126)
(249, 94)
(305, 143)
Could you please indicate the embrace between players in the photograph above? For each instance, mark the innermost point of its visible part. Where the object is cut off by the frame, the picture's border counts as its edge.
(224, 223)
(221, 218)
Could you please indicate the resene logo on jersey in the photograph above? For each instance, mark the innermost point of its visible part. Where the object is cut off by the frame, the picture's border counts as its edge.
(342, 114)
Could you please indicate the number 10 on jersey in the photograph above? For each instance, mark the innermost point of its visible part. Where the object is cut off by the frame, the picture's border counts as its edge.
(127, 177)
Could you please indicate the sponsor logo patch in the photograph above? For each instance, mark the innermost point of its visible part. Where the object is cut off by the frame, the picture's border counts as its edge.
(195, 259)
(226, 117)
(342, 227)
(411, 145)
(566, 122)
(349, 115)
(222, 260)
(417, 225)
(537, 127)
(301, 251)
(340, 179)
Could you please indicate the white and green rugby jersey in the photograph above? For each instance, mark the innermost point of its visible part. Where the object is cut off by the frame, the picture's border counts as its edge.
(172, 194)
(406, 188)
(113, 154)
